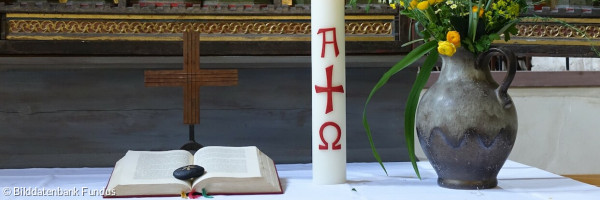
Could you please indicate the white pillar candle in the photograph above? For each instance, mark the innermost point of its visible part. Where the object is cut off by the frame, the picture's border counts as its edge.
(328, 91)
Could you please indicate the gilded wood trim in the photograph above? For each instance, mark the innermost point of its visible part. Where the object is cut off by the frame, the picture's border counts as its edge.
(134, 27)
(166, 30)
(369, 17)
(567, 20)
(556, 33)
(161, 27)
(559, 31)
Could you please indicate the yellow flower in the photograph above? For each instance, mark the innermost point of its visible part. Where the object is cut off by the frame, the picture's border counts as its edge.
(393, 5)
(501, 3)
(446, 48)
(514, 9)
(453, 37)
(476, 9)
(439, 1)
(423, 5)
(402, 4)
(431, 2)
(413, 4)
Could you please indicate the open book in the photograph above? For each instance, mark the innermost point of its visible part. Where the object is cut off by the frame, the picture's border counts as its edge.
(229, 170)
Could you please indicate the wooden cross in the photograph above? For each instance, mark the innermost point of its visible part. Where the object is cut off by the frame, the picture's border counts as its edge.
(191, 78)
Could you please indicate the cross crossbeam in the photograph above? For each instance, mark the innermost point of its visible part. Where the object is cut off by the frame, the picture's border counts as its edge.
(191, 78)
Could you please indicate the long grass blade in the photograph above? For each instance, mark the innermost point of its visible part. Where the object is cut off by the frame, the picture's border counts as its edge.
(410, 58)
(411, 106)
(508, 25)
(473, 19)
(412, 42)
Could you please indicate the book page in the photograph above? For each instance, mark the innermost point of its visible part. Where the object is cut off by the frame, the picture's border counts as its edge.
(269, 172)
(152, 167)
(241, 170)
(228, 161)
(149, 173)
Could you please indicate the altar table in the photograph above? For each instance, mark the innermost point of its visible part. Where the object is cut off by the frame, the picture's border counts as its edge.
(365, 181)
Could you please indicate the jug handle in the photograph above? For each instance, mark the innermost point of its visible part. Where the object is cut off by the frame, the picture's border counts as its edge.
(511, 62)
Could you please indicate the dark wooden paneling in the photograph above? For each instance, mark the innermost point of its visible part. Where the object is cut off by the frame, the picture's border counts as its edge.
(75, 118)
(3, 25)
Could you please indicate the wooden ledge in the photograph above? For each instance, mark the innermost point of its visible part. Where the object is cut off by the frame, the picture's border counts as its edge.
(543, 79)
(174, 48)
(593, 179)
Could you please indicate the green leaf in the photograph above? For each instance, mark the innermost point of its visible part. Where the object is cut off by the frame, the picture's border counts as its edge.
(353, 3)
(506, 36)
(472, 22)
(513, 30)
(494, 36)
(510, 24)
(469, 44)
(412, 42)
(411, 106)
(410, 58)
(479, 47)
(488, 4)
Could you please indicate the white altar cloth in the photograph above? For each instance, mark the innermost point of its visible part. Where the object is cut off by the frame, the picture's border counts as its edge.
(365, 181)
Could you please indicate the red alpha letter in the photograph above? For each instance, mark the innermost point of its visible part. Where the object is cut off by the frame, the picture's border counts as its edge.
(335, 145)
(334, 42)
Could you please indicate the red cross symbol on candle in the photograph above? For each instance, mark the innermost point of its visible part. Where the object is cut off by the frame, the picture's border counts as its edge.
(329, 89)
